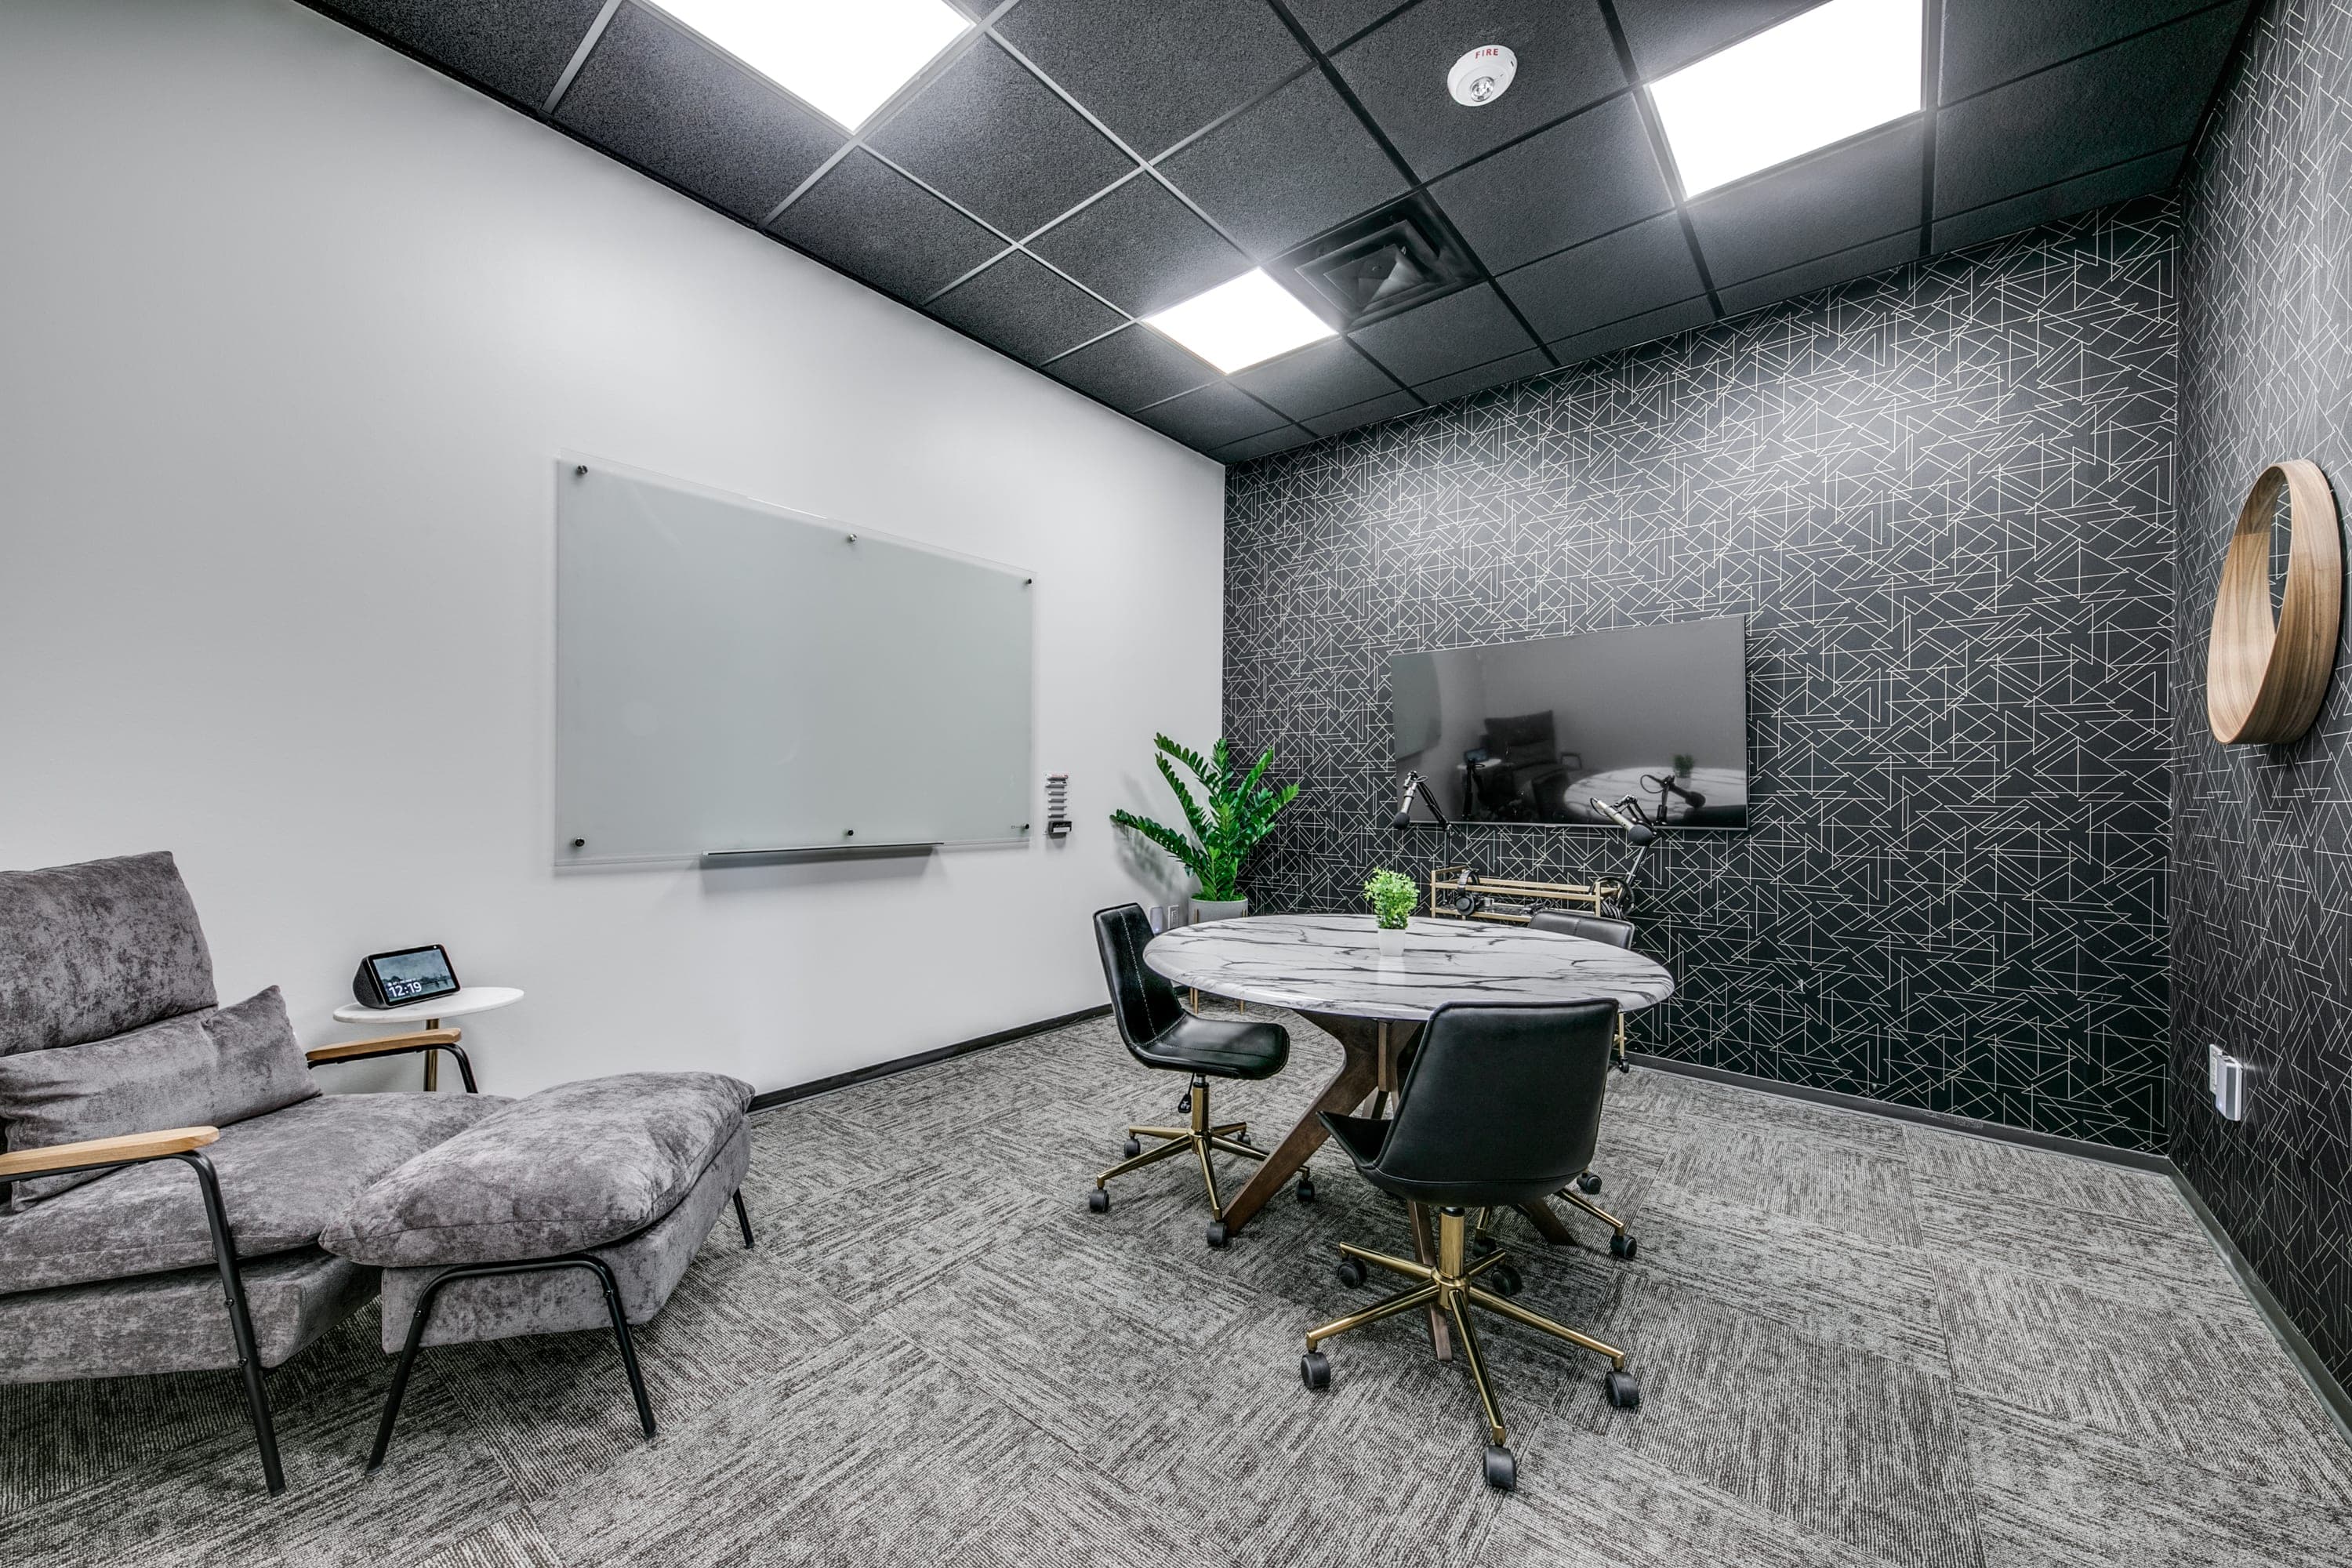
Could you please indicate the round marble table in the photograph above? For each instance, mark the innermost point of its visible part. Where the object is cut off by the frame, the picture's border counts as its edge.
(1329, 969)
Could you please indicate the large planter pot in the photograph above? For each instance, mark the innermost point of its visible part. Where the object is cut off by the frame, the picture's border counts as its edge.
(1204, 910)
(1392, 943)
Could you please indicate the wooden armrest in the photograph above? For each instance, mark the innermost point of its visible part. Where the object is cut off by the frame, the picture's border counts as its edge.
(124, 1150)
(385, 1046)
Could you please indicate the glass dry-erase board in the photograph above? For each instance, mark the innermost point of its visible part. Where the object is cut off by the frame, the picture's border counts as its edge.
(734, 678)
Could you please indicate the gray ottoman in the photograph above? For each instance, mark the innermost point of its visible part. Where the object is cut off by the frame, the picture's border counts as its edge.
(579, 1207)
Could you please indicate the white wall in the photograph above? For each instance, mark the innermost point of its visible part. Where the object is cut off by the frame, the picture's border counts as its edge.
(276, 301)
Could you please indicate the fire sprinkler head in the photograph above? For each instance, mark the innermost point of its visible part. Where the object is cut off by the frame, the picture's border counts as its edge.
(1481, 76)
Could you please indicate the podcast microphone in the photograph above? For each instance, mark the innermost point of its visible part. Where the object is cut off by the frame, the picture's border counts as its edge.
(1636, 830)
(1414, 787)
(1697, 800)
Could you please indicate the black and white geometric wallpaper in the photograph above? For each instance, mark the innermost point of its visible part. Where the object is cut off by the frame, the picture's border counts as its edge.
(1943, 498)
(2262, 934)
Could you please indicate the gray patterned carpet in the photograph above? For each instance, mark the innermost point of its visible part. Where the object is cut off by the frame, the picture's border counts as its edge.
(1860, 1342)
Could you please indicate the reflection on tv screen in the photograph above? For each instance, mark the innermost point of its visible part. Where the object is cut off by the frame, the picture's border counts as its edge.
(1533, 731)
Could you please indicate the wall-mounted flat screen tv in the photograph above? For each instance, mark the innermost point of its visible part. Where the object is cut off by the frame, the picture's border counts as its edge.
(1533, 731)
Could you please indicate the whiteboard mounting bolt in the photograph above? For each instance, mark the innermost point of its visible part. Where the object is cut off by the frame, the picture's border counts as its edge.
(580, 470)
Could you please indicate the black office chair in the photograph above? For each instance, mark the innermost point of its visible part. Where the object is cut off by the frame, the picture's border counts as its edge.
(1501, 1106)
(1591, 928)
(1160, 1034)
(1616, 934)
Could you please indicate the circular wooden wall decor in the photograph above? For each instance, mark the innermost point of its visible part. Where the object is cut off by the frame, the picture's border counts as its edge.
(2265, 681)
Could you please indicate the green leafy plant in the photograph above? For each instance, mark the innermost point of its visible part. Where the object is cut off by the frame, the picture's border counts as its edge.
(1237, 814)
(1684, 762)
(1393, 897)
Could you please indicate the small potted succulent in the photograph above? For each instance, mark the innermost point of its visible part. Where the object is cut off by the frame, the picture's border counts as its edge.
(1393, 897)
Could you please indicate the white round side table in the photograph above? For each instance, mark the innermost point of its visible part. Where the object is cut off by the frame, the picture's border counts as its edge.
(430, 1012)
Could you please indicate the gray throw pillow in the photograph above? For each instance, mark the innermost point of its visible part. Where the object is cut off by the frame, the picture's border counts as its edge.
(570, 1168)
(212, 1068)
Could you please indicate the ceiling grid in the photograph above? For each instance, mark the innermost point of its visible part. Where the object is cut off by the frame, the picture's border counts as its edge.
(1066, 168)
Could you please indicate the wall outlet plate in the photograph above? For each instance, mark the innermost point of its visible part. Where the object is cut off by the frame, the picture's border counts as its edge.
(2229, 1088)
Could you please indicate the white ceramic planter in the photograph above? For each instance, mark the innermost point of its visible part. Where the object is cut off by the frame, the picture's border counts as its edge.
(1392, 943)
(1218, 910)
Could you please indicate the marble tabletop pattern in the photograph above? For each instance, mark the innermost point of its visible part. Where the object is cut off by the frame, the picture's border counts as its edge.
(1331, 964)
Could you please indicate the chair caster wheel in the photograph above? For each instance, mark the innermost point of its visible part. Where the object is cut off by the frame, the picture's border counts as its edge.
(1315, 1370)
(1505, 1277)
(1483, 1246)
(1588, 1183)
(1350, 1272)
(1622, 1245)
(1131, 1148)
(1502, 1470)
(1305, 1190)
(1098, 1200)
(1218, 1234)
(1624, 1392)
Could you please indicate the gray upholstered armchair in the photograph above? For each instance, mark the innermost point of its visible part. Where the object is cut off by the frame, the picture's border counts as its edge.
(168, 1165)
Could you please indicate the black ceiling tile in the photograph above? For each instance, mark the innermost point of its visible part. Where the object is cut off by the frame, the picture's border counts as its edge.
(1265, 446)
(991, 136)
(1378, 408)
(1845, 266)
(1026, 308)
(1987, 42)
(869, 220)
(1581, 178)
(1633, 330)
(1130, 369)
(1619, 275)
(1566, 62)
(2123, 102)
(518, 48)
(1445, 335)
(1211, 415)
(1478, 378)
(1863, 191)
(1667, 35)
(1140, 248)
(2140, 177)
(1332, 23)
(1286, 169)
(1156, 73)
(1316, 379)
(655, 93)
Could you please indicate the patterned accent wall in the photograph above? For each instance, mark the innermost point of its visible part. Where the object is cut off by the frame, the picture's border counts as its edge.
(2262, 944)
(1943, 498)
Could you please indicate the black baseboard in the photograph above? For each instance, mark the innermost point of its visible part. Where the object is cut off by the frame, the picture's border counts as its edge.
(776, 1096)
(2307, 1361)
(2135, 1159)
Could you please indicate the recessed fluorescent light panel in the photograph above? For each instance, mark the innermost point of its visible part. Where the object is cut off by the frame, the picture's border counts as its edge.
(844, 59)
(1833, 72)
(1235, 325)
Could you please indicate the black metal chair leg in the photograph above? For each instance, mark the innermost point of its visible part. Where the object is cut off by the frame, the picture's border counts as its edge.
(628, 1348)
(743, 1218)
(400, 1374)
(423, 1312)
(240, 1320)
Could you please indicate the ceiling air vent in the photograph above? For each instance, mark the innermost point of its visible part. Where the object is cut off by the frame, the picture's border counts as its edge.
(1372, 267)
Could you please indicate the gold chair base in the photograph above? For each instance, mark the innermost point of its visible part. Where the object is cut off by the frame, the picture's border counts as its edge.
(1201, 1138)
(1451, 1287)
